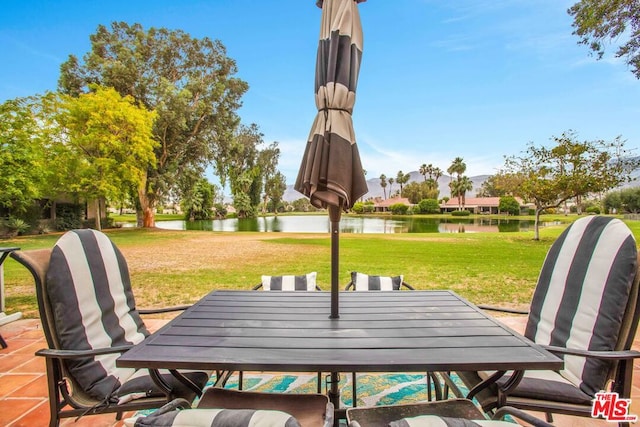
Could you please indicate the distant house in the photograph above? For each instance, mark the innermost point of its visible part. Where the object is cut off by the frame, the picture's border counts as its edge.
(479, 205)
(383, 205)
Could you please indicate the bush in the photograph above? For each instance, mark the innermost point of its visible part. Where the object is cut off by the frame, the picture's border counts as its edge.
(68, 216)
(358, 207)
(510, 205)
(399, 209)
(16, 226)
(593, 210)
(428, 206)
(460, 213)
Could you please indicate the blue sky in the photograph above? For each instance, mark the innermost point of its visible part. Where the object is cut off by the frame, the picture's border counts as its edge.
(477, 79)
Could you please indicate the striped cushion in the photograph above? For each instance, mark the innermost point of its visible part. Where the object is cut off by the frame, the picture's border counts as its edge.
(90, 294)
(305, 282)
(581, 295)
(219, 418)
(364, 282)
(436, 421)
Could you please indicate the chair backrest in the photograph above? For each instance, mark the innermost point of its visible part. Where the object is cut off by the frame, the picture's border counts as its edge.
(85, 299)
(304, 282)
(586, 296)
(366, 282)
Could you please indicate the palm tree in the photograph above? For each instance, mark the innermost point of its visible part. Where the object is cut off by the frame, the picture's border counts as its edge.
(458, 167)
(464, 185)
(401, 179)
(383, 184)
(391, 181)
(455, 191)
(437, 173)
(424, 170)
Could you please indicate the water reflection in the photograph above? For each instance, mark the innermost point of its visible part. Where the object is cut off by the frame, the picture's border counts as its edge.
(357, 224)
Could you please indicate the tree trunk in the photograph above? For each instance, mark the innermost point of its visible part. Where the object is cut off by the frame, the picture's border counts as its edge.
(147, 208)
(98, 215)
(536, 225)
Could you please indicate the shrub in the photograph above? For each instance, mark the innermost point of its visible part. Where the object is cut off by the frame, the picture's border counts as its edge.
(428, 206)
(510, 205)
(358, 207)
(593, 210)
(460, 213)
(399, 209)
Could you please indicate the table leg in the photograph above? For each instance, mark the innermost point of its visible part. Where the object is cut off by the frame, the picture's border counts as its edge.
(334, 396)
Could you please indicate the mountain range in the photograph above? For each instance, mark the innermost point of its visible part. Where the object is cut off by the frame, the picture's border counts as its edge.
(375, 190)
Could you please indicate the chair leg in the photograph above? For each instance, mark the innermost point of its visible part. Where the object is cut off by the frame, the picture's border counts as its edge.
(354, 390)
(319, 382)
(240, 379)
(3, 343)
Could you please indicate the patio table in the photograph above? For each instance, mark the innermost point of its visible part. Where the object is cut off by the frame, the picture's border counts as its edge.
(401, 331)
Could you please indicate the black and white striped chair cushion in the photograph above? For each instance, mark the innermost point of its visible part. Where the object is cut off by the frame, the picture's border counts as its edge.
(219, 418)
(306, 282)
(365, 282)
(90, 293)
(437, 421)
(582, 294)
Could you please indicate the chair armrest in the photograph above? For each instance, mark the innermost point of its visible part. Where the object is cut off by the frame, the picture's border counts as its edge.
(604, 355)
(76, 354)
(522, 415)
(503, 309)
(162, 310)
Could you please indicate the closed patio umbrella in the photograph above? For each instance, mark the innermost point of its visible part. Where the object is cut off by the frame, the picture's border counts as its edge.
(331, 173)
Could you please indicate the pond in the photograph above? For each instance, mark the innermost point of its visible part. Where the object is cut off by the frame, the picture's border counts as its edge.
(357, 224)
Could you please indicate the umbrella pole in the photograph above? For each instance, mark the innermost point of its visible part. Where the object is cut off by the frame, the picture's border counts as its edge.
(334, 217)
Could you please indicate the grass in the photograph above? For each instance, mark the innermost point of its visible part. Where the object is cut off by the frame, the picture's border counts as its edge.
(177, 267)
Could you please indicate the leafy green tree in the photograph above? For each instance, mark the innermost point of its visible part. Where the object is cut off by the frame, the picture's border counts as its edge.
(108, 140)
(599, 22)
(490, 189)
(416, 191)
(276, 185)
(22, 156)
(268, 162)
(509, 204)
(243, 171)
(187, 81)
(199, 197)
(571, 168)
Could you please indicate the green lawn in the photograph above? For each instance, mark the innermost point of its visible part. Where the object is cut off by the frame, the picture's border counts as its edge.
(175, 267)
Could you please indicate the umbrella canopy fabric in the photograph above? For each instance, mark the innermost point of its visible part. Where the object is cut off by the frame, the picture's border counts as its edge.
(331, 173)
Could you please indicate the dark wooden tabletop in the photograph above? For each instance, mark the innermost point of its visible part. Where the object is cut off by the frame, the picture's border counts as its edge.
(403, 331)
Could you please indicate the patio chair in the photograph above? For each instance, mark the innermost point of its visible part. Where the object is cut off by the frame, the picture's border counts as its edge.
(365, 282)
(452, 412)
(89, 317)
(304, 282)
(584, 309)
(226, 408)
(361, 282)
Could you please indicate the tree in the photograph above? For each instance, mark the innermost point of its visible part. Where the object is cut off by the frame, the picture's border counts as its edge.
(22, 155)
(509, 204)
(598, 22)
(391, 181)
(198, 203)
(274, 190)
(402, 179)
(464, 185)
(383, 184)
(107, 141)
(425, 170)
(188, 82)
(243, 171)
(489, 188)
(417, 191)
(268, 162)
(571, 168)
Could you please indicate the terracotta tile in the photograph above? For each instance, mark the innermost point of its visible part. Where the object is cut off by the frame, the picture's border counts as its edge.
(34, 365)
(11, 382)
(11, 409)
(18, 344)
(38, 416)
(32, 347)
(36, 388)
(10, 361)
(102, 420)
